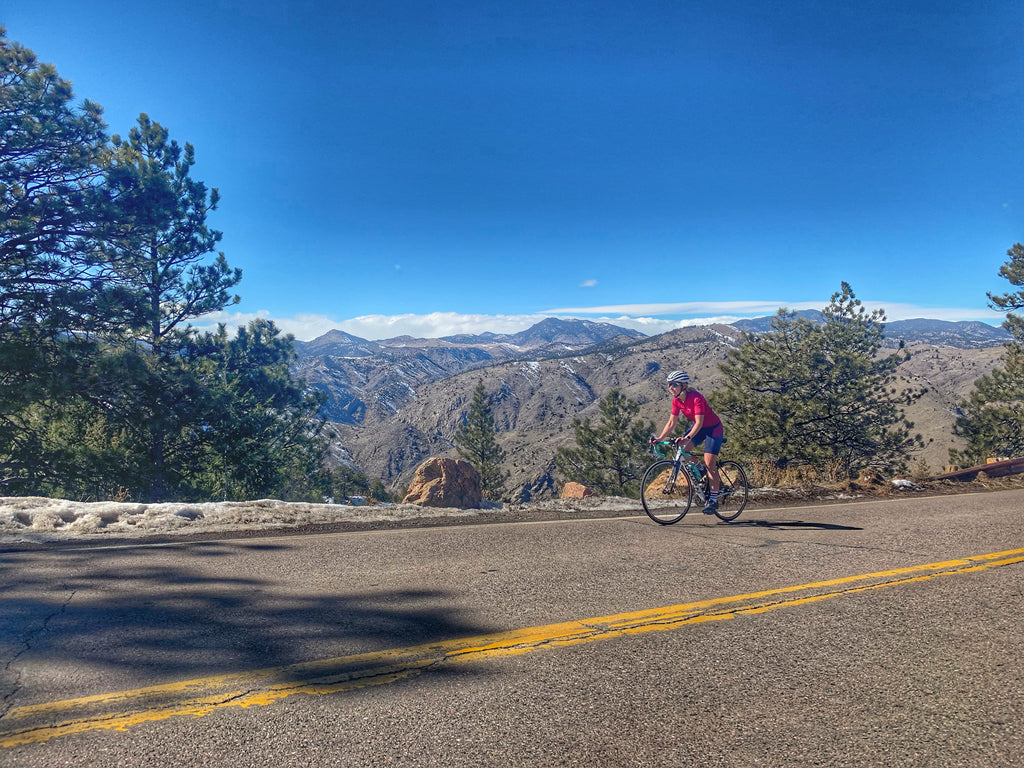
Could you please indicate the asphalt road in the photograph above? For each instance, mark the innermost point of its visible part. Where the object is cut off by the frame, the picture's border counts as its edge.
(862, 634)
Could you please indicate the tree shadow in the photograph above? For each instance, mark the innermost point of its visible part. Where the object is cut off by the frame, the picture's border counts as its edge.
(170, 620)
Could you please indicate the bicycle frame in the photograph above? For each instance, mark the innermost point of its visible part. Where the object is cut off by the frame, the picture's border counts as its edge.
(697, 471)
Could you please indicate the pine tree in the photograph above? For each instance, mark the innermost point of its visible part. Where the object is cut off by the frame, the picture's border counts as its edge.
(259, 433)
(818, 394)
(992, 418)
(346, 481)
(155, 248)
(51, 164)
(1013, 271)
(610, 456)
(159, 237)
(477, 443)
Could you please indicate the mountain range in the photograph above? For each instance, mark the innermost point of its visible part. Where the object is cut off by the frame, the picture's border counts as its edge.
(962, 335)
(394, 403)
(358, 375)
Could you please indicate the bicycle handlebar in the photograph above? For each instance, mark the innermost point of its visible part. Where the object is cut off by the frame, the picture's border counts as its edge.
(658, 447)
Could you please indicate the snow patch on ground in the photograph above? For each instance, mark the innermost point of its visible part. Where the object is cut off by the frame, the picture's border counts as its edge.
(905, 485)
(32, 518)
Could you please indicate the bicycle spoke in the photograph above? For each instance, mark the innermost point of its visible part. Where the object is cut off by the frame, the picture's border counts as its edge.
(734, 491)
(666, 493)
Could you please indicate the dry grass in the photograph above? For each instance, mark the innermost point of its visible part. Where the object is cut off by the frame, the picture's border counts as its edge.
(806, 481)
(983, 481)
(765, 474)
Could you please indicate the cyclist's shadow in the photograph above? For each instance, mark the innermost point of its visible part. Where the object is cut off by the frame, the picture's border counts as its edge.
(778, 525)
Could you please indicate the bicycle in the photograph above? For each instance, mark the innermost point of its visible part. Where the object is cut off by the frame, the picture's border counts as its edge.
(669, 486)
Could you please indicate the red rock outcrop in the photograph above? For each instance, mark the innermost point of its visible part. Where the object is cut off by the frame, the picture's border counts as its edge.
(445, 483)
(576, 491)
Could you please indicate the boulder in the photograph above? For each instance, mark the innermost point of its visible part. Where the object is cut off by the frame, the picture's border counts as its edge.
(445, 483)
(576, 491)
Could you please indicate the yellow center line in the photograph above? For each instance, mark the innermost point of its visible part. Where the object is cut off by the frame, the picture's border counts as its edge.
(198, 697)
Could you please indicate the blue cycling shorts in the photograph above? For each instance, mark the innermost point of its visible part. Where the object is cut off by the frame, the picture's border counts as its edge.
(712, 437)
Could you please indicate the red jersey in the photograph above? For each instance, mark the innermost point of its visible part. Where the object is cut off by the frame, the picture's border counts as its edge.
(694, 405)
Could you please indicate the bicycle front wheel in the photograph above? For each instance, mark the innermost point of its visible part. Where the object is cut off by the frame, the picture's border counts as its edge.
(666, 492)
(734, 492)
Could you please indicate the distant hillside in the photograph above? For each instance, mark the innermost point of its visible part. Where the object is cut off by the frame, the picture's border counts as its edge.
(961, 335)
(572, 334)
(337, 344)
(764, 324)
(551, 331)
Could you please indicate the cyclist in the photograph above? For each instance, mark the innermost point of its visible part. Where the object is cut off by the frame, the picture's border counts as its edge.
(707, 428)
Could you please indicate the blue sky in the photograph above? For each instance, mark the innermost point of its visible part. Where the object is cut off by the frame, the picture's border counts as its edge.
(437, 167)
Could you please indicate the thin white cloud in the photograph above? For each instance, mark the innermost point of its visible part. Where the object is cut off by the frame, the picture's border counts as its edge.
(302, 326)
(435, 324)
(739, 308)
(588, 284)
(430, 326)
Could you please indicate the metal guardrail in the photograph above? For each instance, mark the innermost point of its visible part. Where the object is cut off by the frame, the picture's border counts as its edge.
(992, 469)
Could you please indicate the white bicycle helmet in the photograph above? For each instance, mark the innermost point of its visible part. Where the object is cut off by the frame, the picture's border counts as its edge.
(678, 377)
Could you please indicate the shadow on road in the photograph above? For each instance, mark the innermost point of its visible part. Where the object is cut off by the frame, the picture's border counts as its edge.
(794, 524)
(201, 610)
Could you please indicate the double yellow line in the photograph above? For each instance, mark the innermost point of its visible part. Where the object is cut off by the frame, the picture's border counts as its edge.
(195, 698)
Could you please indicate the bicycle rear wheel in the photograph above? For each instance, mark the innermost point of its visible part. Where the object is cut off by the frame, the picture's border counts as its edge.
(734, 492)
(666, 493)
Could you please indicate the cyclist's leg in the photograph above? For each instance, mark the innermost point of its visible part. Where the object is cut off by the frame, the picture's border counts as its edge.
(711, 462)
(712, 447)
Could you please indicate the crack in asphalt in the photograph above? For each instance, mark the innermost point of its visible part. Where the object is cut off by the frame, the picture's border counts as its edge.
(7, 702)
